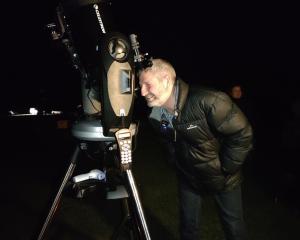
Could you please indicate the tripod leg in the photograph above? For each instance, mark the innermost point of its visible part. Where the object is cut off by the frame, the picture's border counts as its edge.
(59, 193)
(138, 203)
(125, 220)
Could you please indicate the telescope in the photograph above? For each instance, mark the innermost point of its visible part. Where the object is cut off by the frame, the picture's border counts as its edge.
(107, 61)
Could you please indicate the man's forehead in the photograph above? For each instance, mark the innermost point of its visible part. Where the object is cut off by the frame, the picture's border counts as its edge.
(236, 88)
(146, 76)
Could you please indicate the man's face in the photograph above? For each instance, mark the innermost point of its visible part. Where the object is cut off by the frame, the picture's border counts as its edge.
(236, 92)
(153, 88)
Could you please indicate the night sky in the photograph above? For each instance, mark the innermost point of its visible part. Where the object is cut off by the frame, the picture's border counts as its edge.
(208, 43)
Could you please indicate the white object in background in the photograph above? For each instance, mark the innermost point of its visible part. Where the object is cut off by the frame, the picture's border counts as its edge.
(56, 112)
(93, 174)
(33, 111)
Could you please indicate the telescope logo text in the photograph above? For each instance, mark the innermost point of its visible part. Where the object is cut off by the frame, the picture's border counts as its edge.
(96, 7)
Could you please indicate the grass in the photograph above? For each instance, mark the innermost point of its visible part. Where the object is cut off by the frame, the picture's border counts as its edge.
(33, 176)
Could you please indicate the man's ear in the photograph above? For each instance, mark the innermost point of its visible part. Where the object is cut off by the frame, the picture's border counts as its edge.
(166, 81)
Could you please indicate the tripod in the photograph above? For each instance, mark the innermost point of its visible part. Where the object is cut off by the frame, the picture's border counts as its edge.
(91, 130)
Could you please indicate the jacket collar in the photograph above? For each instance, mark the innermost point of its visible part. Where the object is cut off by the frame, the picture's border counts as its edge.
(183, 89)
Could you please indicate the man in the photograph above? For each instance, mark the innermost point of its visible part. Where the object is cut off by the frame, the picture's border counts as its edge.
(236, 91)
(210, 138)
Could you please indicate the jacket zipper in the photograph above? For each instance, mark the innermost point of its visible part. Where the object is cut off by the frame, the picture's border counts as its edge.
(175, 135)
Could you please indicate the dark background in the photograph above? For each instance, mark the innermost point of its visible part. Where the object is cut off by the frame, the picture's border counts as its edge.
(255, 44)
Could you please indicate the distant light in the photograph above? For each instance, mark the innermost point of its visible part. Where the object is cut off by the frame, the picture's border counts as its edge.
(56, 112)
(33, 111)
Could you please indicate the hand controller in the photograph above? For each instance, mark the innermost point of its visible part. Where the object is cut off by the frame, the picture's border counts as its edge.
(124, 140)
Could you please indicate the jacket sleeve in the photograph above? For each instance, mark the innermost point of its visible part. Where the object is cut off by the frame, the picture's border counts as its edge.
(233, 130)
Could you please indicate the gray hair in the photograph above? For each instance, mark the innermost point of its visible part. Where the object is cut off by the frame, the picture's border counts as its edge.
(162, 66)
